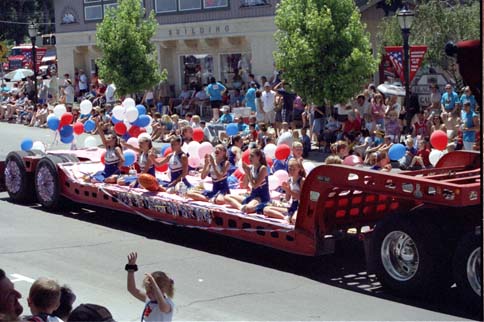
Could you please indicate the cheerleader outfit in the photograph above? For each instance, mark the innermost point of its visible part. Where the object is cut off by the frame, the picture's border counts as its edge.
(232, 157)
(261, 192)
(221, 186)
(142, 161)
(111, 162)
(176, 169)
(296, 187)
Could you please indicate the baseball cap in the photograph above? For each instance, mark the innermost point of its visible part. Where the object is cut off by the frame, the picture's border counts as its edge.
(90, 312)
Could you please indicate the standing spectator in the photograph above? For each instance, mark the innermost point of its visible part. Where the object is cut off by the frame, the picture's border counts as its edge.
(110, 91)
(159, 291)
(259, 106)
(361, 105)
(450, 100)
(9, 296)
(77, 92)
(54, 86)
(468, 96)
(420, 127)
(215, 90)
(94, 79)
(318, 123)
(378, 111)
(83, 85)
(286, 113)
(250, 96)
(44, 299)
(470, 124)
(69, 94)
(252, 82)
(268, 99)
(435, 98)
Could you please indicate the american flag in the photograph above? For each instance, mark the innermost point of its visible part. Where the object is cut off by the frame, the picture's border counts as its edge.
(28, 56)
(397, 61)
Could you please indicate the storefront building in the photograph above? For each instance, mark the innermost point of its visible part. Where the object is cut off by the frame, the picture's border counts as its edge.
(195, 39)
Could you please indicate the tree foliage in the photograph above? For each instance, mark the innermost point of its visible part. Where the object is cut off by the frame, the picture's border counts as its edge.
(129, 57)
(323, 49)
(436, 22)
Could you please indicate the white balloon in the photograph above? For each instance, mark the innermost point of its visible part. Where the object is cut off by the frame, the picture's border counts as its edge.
(281, 175)
(184, 147)
(286, 138)
(86, 107)
(119, 112)
(128, 125)
(131, 114)
(193, 148)
(149, 129)
(59, 110)
(270, 150)
(273, 182)
(194, 161)
(134, 142)
(90, 142)
(435, 156)
(129, 102)
(204, 149)
(308, 166)
(38, 145)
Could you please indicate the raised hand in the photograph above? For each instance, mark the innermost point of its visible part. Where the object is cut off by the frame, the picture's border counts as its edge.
(132, 257)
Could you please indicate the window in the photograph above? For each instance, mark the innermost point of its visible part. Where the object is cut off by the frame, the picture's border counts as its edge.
(91, 1)
(235, 69)
(165, 6)
(93, 12)
(210, 4)
(196, 70)
(189, 5)
(253, 3)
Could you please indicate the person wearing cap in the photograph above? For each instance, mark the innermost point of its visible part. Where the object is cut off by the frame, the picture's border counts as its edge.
(268, 99)
(215, 90)
(226, 117)
(470, 124)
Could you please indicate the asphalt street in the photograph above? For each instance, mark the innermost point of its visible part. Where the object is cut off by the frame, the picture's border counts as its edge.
(216, 277)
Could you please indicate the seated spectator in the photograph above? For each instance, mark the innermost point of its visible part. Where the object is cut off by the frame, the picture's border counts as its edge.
(39, 119)
(421, 159)
(90, 313)
(183, 99)
(9, 296)
(226, 117)
(67, 299)
(381, 161)
(236, 98)
(333, 159)
(306, 142)
(44, 299)
(393, 127)
(329, 133)
(410, 152)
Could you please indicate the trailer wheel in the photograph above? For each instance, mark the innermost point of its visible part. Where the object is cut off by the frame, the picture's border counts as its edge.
(46, 181)
(17, 180)
(408, 256)
(467, 266)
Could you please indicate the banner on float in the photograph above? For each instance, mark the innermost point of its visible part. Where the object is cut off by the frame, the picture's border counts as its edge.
(416, 55)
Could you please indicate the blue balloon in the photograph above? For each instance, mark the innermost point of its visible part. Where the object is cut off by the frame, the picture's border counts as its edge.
(142, 121)
(89, 126)
(67, 139)
(141, 109)
(232, 129)
(53, 123)
(66, 131)
(114, 120)
(396, 152)
(26, 145)
(164, 146)
(126, 136)
(129, 158)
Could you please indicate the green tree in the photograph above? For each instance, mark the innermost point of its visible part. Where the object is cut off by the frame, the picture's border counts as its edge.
(323, 49)
(129, 56)
(436, 22)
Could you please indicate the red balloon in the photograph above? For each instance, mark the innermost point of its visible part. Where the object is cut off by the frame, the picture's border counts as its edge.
(66, 119)
(439, 140)
(168, 151)
(246, 156)
(198, 134)
(120, 128)
(282, 152)
(269, 161)
(103, 158)
(134, 131)
(78, 128)
(162, 168)
(142, 130)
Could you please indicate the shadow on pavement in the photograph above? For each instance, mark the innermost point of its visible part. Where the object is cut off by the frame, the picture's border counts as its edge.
(345, 268)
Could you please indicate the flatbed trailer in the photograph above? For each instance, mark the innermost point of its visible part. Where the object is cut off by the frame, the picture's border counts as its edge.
(421, 229)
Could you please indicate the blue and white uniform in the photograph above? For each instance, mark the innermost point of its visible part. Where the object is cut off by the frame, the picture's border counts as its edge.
(111, 161)
(232, 157)
(176, 169)
(220, 186)
(295, 187)
(261, 192)
(143, 159)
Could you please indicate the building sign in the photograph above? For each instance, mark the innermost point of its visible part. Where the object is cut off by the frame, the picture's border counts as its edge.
(199, 31)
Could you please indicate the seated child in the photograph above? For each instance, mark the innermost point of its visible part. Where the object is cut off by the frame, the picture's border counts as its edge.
(421, 159)
(292, 188)
(217, 168)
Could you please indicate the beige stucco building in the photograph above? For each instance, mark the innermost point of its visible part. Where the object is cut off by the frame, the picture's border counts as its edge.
(195, 39)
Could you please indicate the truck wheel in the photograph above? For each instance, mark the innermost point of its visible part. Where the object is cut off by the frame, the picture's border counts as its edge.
(17, 180)
(408, 257)
(46, 181)
(467, 266)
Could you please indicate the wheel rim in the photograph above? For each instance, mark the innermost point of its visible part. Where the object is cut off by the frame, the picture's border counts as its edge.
(474, 269)
(45, 185)
(399, 256)
(13, 177)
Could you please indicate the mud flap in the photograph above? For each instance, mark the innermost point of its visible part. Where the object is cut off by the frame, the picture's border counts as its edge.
(3, 188)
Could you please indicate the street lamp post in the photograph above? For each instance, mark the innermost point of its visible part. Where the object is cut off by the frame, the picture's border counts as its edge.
(405, 20)
(33, 34)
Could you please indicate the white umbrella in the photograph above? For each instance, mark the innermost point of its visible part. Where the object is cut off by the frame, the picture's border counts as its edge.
(387, 89)
(19, 74)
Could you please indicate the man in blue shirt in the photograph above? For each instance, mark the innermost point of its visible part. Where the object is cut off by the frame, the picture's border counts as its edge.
(226, 117)
(215, 90)
(250, 97)
(467, 96)
(450, 100)
(470, 124)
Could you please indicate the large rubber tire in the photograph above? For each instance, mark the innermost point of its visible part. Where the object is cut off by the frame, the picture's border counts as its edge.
(408, 256)
(18, 182)
(46, 181)
(467, 269)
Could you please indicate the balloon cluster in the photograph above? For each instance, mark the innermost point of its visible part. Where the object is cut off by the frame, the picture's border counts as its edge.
(130, 120)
